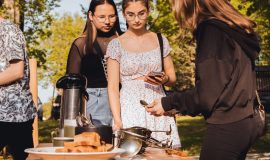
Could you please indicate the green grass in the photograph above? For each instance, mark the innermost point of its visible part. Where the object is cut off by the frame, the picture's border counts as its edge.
(191, 131)
(44, 130)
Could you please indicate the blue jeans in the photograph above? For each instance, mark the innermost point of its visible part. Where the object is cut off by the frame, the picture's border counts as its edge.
(98, 106)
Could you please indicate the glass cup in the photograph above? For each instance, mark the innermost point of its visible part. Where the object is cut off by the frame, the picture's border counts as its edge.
(69, 127)
(59, 141)
(69, 131)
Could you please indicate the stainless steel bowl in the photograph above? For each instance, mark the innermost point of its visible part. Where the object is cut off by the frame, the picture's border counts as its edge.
(132, 146)
(133, 140)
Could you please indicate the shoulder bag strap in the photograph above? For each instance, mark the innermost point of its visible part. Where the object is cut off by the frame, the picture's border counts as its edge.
(160, 40)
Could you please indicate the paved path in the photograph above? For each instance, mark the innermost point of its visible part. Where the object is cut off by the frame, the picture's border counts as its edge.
(256, 156)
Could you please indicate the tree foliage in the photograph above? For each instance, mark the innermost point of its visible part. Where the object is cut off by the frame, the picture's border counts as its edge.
(64, 31)
(258, 11)
(34, 18)
(183, 53)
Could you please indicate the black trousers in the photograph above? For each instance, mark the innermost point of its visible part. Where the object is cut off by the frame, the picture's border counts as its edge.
(229, 141)
(18, 137)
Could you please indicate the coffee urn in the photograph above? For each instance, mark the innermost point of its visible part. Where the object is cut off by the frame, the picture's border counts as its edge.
(73, 102)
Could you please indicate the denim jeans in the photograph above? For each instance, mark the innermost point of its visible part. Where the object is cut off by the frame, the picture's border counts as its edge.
(98, 106)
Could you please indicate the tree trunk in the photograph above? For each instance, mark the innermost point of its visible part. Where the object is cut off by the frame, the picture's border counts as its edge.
(22, 11)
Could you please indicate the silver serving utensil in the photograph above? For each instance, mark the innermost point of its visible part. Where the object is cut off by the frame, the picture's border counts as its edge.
(167, 132)
(144, 103)
(79, 120)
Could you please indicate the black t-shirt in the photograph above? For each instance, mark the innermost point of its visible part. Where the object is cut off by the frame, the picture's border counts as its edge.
(89, 64)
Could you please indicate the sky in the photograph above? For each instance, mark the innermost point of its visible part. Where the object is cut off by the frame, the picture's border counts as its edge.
(72, 7)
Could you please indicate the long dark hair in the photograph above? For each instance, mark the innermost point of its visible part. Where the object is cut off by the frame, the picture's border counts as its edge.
(189, 13)
(88, 29)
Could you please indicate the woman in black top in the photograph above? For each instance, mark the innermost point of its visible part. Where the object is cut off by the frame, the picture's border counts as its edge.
(87, 53)
(225, 86)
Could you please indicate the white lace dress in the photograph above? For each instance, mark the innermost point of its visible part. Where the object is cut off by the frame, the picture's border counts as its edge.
(133, 66)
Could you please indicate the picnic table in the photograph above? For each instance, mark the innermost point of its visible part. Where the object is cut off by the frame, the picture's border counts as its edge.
(150, 154)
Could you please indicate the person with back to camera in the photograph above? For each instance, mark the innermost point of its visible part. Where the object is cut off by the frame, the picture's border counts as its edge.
(86, 56)
(17, 109)
(131, 58)
(224, 92)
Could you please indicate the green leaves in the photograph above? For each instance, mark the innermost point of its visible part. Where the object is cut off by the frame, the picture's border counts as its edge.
(183, 53)
(258, 11)
(64, 31)
(34, 18)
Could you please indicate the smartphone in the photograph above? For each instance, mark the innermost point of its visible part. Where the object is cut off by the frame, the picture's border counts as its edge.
(155, 74)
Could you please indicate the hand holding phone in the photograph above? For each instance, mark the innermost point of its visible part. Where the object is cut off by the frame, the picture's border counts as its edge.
(153, 74)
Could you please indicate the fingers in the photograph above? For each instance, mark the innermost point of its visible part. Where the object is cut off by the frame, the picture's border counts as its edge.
(151, 80)
(157, 80)
(155, 108)
(151, 108)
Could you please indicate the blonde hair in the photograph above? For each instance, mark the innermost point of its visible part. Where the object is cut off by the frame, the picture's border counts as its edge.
(189, 13)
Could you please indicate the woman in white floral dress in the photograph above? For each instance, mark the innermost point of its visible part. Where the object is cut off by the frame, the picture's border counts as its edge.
(130, 58)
